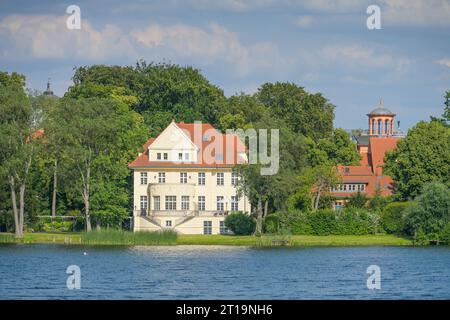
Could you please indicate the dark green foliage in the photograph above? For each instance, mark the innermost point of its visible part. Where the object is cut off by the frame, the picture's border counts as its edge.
(240, 223)
(393, 217)
(423, 156)
(308, 114)
(349, 221)
(358, 200)
(429, 215)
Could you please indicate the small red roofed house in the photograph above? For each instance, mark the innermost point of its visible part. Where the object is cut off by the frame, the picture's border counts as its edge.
(373, 144)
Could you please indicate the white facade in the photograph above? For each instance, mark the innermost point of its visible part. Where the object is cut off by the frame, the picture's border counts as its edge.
(174, 190)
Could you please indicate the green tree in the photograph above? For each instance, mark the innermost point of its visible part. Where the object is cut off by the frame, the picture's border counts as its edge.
(18, 143)
(98, 138)
(358, 200)
(423, 156)
(308, 114)
(339, 148)
(429, 215)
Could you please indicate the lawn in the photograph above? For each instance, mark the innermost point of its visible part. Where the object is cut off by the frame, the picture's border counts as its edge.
(129, 238)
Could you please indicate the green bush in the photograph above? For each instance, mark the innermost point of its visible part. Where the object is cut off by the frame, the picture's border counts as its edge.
(348, 221)
(393, 217)
(240, 223)
(428, 216)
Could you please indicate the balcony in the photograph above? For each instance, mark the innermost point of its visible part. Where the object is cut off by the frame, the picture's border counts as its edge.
(181, 213)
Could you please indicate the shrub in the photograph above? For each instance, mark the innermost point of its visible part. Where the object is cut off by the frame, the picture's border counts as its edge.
(393, 217)
(240, 223)
(429, 214)
(347, 221)
(358, 200)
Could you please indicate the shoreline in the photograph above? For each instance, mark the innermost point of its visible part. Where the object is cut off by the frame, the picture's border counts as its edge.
(278, 241)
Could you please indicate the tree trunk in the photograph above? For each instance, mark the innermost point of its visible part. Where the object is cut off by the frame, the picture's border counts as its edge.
(18, 229)
(86, 197)
(22, 206)
(55, 186)
(316, 205)
(259, 212)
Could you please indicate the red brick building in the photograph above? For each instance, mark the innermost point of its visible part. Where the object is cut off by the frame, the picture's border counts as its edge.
(372, 144)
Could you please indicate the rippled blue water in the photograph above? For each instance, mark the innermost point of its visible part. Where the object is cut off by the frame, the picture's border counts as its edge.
(219, 272)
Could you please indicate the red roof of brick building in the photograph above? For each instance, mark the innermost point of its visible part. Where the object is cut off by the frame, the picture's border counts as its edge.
(232, 148)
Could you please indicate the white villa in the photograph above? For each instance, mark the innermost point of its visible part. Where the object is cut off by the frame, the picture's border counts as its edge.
(184, 180)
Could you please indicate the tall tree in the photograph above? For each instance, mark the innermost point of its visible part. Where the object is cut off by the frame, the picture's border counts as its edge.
(423, 156)
(97, 137)
(18, 138)
(305, 113)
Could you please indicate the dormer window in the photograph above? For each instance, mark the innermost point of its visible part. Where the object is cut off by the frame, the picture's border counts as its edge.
(205, 137)
(158, 156)
(165, 156)
(347, 170)
(186, 156)
(180, 156)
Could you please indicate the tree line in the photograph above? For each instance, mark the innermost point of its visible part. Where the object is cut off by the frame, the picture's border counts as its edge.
(68, 156)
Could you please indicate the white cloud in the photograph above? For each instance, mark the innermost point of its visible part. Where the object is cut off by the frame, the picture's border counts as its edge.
(42, 36)
(357, 56)
(216, 44)
(444, 62)
(415, 12)
(46, 37)
(304, 21)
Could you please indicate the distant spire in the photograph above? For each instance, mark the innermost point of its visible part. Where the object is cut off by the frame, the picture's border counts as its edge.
(49, 91)
(381, 102)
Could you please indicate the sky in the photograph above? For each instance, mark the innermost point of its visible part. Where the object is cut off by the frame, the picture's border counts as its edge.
(322, 45)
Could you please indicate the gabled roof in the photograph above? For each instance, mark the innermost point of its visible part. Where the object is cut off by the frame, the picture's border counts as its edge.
(232, 147)
(378, 148)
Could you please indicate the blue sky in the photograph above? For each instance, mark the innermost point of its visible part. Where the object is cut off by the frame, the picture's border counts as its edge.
(322, 45)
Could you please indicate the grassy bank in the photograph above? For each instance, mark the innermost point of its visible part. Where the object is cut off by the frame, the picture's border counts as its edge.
(296, 240)
(106, 237)
(170, 238)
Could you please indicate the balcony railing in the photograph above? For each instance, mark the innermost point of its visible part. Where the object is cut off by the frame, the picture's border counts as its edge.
(181, 213)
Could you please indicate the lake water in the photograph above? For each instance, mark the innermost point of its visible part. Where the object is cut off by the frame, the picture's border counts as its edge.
(220, 272)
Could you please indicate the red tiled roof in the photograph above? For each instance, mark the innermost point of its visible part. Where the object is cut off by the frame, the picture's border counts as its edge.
(369, 171)
(231, 144)
(377, 149)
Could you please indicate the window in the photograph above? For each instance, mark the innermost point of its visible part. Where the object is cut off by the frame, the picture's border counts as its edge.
(205, 137)
(168, 223)
(234, 203)
(223, 228)
(158, 156)
(165, 156)
(183, 177)
(156, 203)
(201, 178)
(234, 178)
(186, 156)
(201, 203)
(171, 203)
(184, 202)
(143, 177)
(143, 204)
(220, 203)
(220, 179)
(180, 156)
(207, 227)
(161, 177)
